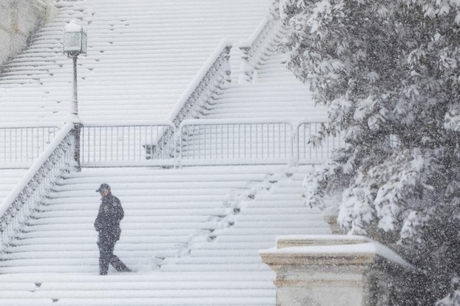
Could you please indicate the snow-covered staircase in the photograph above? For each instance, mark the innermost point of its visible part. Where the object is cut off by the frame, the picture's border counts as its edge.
(165, 210)
(257, 119)
(197, 289)
(192, 234)
(274, 93)
(265, 100)
(275, 208)
(141, 58)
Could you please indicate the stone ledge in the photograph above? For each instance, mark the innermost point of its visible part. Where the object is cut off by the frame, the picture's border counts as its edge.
(333, 247)
(312, 240)
(321, 269)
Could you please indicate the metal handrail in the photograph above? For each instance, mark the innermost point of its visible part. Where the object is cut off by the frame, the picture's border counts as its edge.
(306, 150)
(106, 144)
(20, 145)
(235, 141)
(148, 143)
(16, 208)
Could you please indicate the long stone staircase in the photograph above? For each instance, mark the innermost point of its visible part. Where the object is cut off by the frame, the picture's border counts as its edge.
(274, 94)
(275, 209)
(191, 234)
(141, 58)
(165, 210)
(144, 290)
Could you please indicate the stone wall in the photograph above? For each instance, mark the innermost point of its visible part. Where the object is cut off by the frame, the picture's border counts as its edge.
(18, 20)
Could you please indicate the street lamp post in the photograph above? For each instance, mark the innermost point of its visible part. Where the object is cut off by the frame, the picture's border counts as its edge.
(75, 43)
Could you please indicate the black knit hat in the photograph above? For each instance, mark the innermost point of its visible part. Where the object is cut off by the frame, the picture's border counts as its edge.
(103, 186)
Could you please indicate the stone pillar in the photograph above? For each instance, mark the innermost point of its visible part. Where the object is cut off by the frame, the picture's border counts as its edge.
(326, 270)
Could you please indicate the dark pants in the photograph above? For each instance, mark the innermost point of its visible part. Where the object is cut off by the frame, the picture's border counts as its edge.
(106, 244)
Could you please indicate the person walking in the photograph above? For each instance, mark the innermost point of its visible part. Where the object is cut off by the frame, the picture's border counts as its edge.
(108, 225)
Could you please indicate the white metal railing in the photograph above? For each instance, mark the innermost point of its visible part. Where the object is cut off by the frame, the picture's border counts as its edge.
(204, 142)
(141, 143)
(306, 151)
(21, 145)
(200, 141)
(253, 142)
(235, 141)
(58, 157)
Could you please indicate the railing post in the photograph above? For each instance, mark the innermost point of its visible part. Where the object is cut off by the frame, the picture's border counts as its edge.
(295, 144)
(76, 132)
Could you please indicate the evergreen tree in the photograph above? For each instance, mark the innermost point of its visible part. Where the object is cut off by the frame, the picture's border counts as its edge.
(389, 72)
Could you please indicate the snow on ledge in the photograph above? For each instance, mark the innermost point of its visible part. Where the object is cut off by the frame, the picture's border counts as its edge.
(364, 246)
(323, 238)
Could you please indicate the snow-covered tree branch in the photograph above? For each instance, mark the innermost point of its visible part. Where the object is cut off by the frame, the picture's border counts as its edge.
(389, 72)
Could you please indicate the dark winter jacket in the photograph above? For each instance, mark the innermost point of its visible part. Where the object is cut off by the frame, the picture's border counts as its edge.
(110, 214)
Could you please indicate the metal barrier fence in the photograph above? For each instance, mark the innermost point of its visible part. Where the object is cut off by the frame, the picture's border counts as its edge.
(21, 145)
(198, 141)
(130, 144)
(307, 152)
(229, 142)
